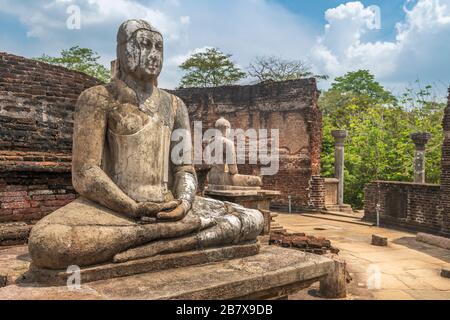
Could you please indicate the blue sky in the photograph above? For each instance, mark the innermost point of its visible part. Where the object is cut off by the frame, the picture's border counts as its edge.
(333, 36)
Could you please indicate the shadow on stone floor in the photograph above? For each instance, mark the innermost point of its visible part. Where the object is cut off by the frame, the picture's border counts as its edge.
(435, 252)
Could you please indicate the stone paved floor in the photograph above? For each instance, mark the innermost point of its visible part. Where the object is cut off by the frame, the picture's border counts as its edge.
(406, 269)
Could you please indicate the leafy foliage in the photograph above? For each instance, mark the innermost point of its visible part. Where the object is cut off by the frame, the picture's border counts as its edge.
(79, 59)
(379, 125)
(276, 69)
(210, 69)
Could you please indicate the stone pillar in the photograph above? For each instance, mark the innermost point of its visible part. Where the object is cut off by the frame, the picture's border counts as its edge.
(420, 139)
(339, 138)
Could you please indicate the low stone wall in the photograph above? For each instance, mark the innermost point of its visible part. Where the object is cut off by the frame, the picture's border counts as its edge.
(29, 190)
(406, 205)
(37, 101)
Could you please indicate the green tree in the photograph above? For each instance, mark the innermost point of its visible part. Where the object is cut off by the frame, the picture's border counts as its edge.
(379, 125)
(277, 69)
(351, 94)
(80, 59)
(211, 68)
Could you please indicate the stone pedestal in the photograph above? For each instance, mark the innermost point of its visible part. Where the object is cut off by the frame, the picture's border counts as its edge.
(331, 197)
(420, 140)
(273, 273)
(379, 241)
(253, 198)
(334, 285)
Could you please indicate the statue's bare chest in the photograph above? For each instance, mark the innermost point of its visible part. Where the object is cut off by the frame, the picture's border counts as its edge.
(128, 119)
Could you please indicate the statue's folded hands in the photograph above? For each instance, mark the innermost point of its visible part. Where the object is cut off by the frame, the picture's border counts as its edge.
(153, 209)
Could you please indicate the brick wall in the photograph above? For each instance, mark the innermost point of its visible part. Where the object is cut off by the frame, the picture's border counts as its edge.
(37, 101)
(408, 205)
(445, 169)
(289, 106)
(423, 207)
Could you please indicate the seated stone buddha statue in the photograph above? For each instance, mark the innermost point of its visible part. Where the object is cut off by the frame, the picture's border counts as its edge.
(132, 194)
(226, 173)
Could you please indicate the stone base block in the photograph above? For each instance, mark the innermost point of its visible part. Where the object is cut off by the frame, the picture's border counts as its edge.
(161, 262)
(438, 241)
(379, 241)
(339, 208)
(273, 273)
(14, 233)
(445, 273)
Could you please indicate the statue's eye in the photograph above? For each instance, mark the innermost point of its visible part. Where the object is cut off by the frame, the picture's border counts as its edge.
(159, 46)
(146, 42)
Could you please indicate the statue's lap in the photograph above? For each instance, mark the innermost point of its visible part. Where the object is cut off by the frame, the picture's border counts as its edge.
(84, 233)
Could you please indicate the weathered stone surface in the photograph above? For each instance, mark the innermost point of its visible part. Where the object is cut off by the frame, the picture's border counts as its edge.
(441, 242)
(275, 272)
(420, 139)
(334, 285)
(445, 273)
(379, 241)
(144, 265)
(14, 261)
(14, 233)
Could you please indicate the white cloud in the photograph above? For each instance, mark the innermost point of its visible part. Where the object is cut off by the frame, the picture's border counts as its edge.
(419, 50)
(178, 59)
(245, 28)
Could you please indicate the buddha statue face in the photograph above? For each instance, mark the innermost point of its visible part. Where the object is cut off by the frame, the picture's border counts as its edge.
(140, 50)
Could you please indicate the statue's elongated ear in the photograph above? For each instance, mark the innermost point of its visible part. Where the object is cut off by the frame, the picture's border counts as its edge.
(115, 69)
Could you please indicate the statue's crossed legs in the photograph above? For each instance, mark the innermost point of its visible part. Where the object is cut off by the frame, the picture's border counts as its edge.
(83, 233)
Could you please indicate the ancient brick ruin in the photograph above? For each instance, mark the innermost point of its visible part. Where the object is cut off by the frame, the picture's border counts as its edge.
(36, 105)
(289, 106)
(423, 207)
(36, 121)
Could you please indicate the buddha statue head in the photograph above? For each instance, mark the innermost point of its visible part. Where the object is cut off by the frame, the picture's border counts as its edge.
(224, 126)
(139, 51)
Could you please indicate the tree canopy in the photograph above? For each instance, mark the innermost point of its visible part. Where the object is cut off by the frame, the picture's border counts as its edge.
(210, 68)
(379, 125)
(264, 68)
(80, 59)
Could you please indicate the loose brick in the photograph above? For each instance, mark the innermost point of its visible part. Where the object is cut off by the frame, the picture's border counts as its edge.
(13, 194)
(16, 205)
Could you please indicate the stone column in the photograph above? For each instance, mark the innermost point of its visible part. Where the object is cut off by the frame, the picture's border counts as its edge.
(339, 138)
(420, 139)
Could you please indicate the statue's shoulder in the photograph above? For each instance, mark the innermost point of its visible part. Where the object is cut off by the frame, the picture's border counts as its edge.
(98, 97)
(169, 95)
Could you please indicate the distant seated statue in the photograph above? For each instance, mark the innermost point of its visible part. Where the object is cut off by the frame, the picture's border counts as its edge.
(132, 194)
(226, 174)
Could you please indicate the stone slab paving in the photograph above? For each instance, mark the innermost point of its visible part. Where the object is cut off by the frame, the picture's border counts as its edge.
(273, 273)
(404, 270)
